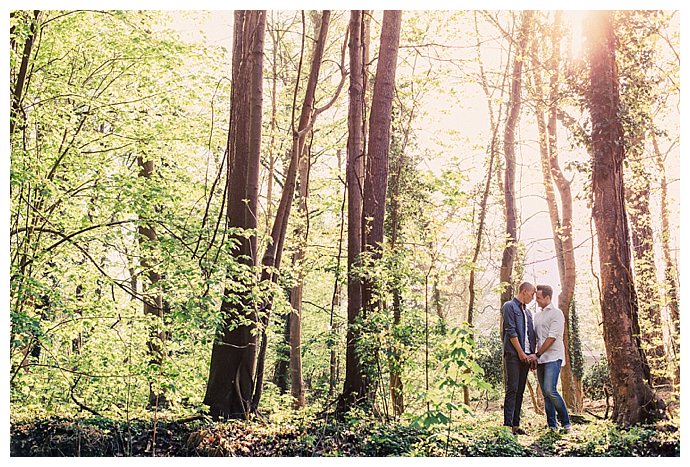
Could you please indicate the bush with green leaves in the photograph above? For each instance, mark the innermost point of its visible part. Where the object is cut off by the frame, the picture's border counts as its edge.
(489, 356)
(596, 379)
(605, 439)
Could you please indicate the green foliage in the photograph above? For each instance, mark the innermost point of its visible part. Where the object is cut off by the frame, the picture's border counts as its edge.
(596, 379)
(606, 440)
(356, 434)
(107, 92)
(471, 441)
(577, 359)
(489, 357)
(458, 369)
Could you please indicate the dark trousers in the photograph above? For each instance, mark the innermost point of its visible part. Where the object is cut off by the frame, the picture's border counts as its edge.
(516, 379)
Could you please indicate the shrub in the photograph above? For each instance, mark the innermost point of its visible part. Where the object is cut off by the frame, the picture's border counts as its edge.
(607, 440)
(596, 379)
(489, 356)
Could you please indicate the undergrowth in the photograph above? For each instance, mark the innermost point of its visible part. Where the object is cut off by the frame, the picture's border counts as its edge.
(308, 435)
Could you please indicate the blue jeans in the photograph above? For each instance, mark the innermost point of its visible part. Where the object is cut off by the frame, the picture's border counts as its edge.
(547, 373)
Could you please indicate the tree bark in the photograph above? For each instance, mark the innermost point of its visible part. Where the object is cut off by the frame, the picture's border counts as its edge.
(153, 302)
(515, 101)
(353, 388)
(376, 176)
(376, 172)
(231, 376)
(18, 88)
(634, 401)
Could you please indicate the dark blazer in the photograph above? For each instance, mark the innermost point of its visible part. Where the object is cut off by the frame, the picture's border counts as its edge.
(514, 326)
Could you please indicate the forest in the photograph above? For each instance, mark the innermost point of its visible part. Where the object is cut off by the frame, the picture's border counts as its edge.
(293, 233)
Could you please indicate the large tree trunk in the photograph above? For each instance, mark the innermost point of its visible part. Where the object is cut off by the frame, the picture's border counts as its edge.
(376, 173)
(634, 400)
(231, 376)
(515, 101)
(353, 388)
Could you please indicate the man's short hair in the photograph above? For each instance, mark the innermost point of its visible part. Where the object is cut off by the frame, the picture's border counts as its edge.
(546, 290)
(524, 286)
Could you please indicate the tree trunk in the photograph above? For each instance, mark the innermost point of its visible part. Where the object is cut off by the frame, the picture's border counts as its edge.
(561, 227)
(18, 88)
(301, 234)
(634, 401)
(393, 229)
(274, 251)
(337, 291)
(353, 388)
(153, 302)
(231, 375)
(281, 377)
(376, 174)
(515, 101)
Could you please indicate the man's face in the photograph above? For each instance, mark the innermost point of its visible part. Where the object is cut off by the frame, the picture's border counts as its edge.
(526, 295)
(541, 300)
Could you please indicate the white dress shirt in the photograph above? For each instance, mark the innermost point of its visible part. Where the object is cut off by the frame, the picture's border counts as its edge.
(550, 322)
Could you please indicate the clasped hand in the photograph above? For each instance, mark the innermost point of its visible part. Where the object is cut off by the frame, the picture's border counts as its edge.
(531, 359)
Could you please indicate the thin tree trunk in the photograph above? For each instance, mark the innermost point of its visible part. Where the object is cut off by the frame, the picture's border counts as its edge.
(153, 302)
(515, 101)
(670, 271)
(634, 401)
(301, 234)
(353, 388)
(274, 251)
(395, 360)
(275, 36)
(571, 383)
(18, 88)
(337, 290)
(561, 228)
(493, 153)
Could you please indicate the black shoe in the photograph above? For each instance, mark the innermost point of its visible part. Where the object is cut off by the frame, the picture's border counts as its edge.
(519, 431)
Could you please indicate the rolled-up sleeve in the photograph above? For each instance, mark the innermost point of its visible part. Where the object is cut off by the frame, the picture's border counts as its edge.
(556, 325)
(509, 324)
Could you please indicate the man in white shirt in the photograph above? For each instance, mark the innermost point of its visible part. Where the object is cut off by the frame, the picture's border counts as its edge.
(549, 325)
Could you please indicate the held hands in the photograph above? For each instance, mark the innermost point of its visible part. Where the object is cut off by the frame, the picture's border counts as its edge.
(530, 359)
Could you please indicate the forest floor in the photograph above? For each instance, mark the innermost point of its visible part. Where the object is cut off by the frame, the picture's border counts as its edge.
(477, 435)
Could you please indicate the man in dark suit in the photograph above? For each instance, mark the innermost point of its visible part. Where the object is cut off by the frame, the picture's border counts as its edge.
(519, 343)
